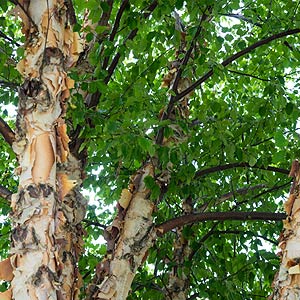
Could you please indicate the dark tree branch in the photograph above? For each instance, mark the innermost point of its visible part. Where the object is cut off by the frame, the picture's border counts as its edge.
(4, 36)
(242, 191)
(6, 132)
(238, 165)
(233, 58)
(115, 29)
(106, 15)
(274, 242)
(131, 36)
(118, 19)
(243, 18)
(217, 216)
(95, 97)
(5, 193)
(94, 223)
(9, 84)
(274, 188)
(188, 53)
(246, 74)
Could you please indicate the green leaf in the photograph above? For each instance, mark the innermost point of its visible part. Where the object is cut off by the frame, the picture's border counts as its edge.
(280, 140)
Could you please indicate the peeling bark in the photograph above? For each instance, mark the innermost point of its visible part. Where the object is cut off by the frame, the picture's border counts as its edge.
(47, 209)
(179, 281)
(129, 238)
(286, 285)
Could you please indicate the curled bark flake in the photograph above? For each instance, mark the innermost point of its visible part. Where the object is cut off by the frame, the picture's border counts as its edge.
(6, 270)
(107, 288)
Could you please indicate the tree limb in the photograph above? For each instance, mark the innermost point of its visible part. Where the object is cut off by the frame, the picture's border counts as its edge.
(115, 28)
(189, 52)
(249, 75)
(243, 18)
(6, 132)
(9, 84)
(274, 242)
(4, 36)
(217, 216)
(233, 58)
(131, 35)
(238, 165)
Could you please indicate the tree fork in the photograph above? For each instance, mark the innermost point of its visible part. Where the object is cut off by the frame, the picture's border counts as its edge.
(47, 209)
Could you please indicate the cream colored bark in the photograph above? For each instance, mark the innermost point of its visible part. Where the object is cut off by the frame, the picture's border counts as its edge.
(47, 210)
(129, 238)
(286, 285)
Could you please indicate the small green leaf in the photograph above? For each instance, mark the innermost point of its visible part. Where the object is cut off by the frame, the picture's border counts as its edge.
(280, 140)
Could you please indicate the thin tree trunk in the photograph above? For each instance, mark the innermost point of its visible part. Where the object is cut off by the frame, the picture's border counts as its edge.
(179, 278)
(286, 285)
(128, 240)
(47, 209)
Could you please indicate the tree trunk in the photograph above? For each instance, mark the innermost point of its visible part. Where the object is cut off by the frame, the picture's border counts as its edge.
(287, 281)
(47, 209)
(179, 278)
(128, 240)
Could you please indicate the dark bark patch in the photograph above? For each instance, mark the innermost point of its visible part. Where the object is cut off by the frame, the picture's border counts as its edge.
(19, 233)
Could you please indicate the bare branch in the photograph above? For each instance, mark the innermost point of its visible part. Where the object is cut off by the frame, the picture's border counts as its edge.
(9, 39)
(233, 58)
(8, 84)
(189, 52)
(6, 132)
(243, 18)
(115, 28)
(238, 165)
(217, 216)
(131, 36)
(246, 74)
(274, 242)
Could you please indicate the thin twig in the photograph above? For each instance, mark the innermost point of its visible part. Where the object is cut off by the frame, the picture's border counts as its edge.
(233, 58)
(238, 165)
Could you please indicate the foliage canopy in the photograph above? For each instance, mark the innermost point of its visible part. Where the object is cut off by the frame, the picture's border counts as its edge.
(234, 150)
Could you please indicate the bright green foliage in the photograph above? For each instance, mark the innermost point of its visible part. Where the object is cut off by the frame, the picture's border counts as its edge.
(246, 112)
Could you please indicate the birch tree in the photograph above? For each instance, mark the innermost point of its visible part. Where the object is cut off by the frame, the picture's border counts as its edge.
(177, 121)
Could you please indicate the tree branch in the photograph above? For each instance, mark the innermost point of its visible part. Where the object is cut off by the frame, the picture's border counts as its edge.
(233, 58)
(131, 35)
(217, 216)
(115, 28)
(189, 53)
(246, 74)
(4, 36)
(6, 132)
(9, 84)
(274, 242)
(238, 165)
(243, 18)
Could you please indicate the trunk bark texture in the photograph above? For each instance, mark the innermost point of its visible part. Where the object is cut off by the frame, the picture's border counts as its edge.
(179, 279)
(132, 232)
(286, 284)
(48, 208)
(128, 240)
